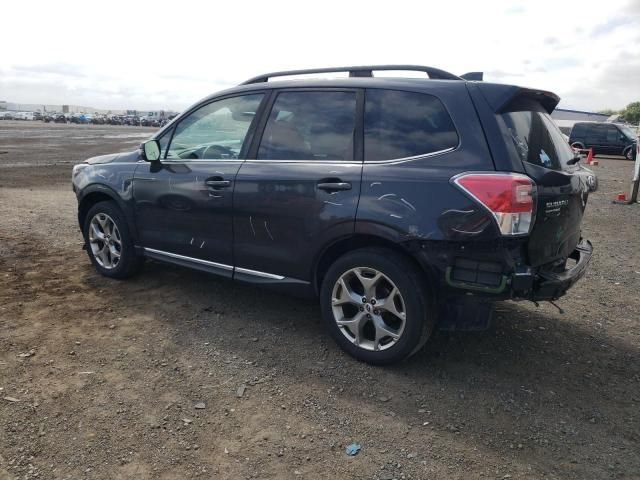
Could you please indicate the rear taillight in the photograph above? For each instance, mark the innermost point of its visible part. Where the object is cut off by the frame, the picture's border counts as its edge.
(508, 196)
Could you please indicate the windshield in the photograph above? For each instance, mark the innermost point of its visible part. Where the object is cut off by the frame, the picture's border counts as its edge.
(630, 134)
(537, 139)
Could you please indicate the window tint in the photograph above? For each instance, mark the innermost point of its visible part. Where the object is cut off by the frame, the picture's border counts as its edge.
(405, 124)
(310, 126)
(215, 131)
(537, 139)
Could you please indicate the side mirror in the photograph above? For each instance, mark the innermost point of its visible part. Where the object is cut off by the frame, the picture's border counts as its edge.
(151, 150)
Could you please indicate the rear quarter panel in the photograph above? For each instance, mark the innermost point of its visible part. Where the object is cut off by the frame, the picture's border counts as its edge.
(413, 199)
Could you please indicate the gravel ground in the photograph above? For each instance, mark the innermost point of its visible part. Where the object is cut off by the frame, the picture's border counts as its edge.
(175, 374)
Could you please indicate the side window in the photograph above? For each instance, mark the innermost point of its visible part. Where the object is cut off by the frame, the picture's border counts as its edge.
(216, 130)
(613, 135)
(310, 126)
(405, 124)
(596, 134)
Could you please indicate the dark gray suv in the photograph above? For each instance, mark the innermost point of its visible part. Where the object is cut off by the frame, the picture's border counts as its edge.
(403, 204)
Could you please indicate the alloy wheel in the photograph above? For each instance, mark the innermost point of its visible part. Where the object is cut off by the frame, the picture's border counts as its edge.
(368, 308)
(105, 241)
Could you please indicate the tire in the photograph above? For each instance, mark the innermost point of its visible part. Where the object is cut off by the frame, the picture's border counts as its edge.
(409, 315)
(629, 154)
(104, 258)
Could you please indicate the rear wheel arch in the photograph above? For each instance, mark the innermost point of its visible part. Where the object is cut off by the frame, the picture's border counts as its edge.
(337, 249)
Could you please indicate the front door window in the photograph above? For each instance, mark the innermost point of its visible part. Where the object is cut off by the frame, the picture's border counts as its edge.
(216, 131)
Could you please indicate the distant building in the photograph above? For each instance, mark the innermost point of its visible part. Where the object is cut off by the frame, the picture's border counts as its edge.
(565, 119)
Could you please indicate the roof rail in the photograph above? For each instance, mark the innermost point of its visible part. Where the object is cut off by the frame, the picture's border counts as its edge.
(362, 71)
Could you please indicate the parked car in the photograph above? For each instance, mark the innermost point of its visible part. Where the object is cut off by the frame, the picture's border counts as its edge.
(131, 120)
(60, 118)
(604, 138)
(23, 116)
(402, 204)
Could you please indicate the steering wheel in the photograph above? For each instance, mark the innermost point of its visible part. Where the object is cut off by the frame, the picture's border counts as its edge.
(214, 152)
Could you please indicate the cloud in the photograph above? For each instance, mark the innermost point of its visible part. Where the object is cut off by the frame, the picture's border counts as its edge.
(106, 64)
(612, 24)
(61, 69)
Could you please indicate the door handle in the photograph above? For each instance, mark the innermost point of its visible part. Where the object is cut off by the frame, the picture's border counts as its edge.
(334, 186)
(216, 184)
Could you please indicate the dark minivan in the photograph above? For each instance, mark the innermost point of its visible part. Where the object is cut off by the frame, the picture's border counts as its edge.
(403, 204)
(604, 138)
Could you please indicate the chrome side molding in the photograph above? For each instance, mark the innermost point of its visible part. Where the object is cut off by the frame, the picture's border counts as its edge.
(208, 263)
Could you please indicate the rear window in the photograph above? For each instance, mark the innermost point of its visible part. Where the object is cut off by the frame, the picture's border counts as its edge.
(405, 124)
(537, 139)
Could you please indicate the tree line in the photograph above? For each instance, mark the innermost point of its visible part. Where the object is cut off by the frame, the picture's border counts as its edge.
(631, 113)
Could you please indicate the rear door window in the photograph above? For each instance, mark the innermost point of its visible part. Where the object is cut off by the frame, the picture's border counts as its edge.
(405, 124)
(310, 126)
(537, 138)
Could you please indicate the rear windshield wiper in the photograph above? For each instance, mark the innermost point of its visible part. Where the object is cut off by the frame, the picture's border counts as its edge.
(576, 158)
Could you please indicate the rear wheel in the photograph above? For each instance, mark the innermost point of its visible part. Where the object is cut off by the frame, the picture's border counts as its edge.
(377, 306)
(109, 243)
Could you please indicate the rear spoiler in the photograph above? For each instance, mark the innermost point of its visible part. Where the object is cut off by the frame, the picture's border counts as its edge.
(503, 98)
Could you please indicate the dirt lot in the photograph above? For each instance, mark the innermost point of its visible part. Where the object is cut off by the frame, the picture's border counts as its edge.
(175, 374)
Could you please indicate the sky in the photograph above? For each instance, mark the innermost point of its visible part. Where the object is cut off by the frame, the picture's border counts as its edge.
(167, 55)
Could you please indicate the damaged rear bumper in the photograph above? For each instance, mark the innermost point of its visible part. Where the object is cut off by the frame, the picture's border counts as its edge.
(464, 312)
(490, 279)
(552, 285)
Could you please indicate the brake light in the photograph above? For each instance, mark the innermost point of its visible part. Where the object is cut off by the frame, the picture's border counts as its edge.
(508, 196)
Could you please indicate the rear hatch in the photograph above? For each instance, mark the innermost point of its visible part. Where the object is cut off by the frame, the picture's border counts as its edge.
(562, 183)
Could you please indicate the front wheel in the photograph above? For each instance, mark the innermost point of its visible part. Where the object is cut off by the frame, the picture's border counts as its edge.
(109, 243)
(377, 305)
(629, 154)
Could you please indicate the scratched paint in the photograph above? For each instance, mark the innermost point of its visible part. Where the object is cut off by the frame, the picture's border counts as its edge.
(267, 230)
